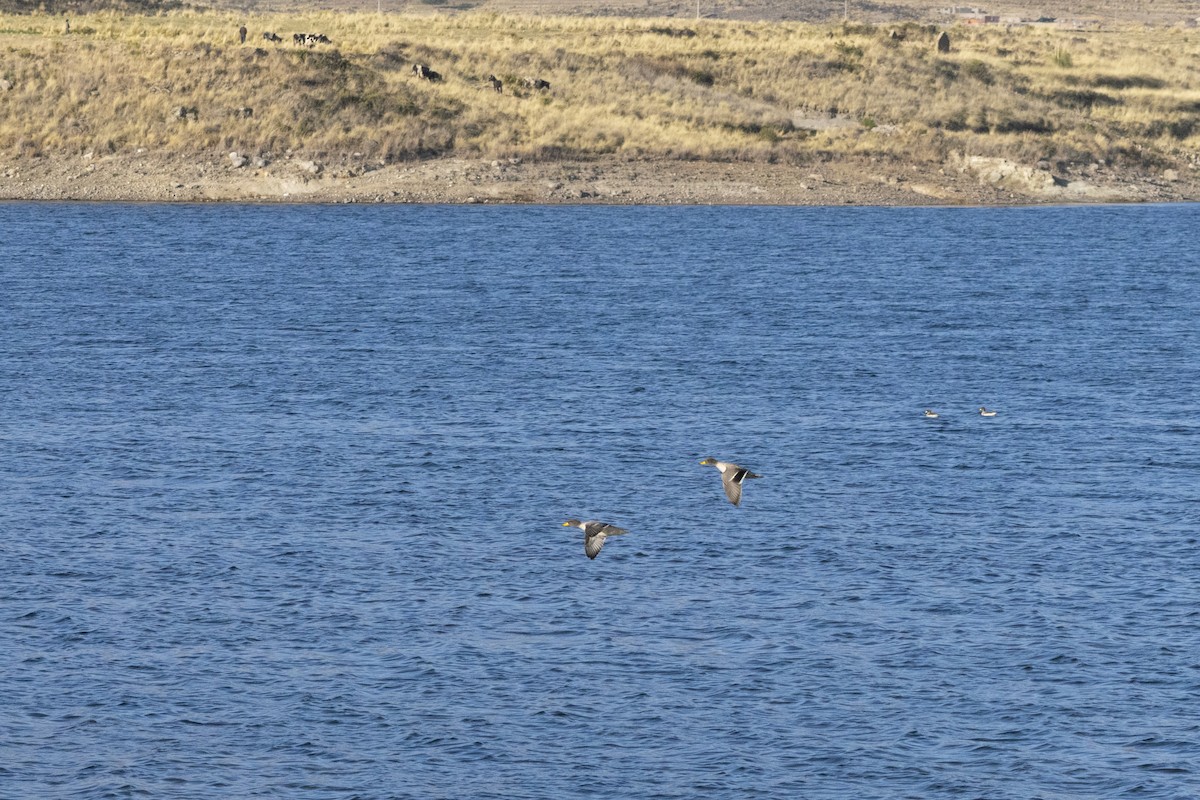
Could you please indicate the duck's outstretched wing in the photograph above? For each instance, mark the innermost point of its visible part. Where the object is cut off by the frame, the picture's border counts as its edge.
(595, 534)
(733, 489)
(732, 480)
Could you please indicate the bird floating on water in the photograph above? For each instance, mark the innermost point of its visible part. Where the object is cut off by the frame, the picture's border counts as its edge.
(931, 414)
(732, 477)
(594, 534)
(983, 412)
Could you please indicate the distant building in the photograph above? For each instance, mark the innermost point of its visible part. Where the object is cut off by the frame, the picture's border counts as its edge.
(973, 16)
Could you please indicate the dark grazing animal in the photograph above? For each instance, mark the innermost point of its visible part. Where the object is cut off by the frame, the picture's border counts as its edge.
(422, 71)
(497, 84)
(272, 37)
(537, 83)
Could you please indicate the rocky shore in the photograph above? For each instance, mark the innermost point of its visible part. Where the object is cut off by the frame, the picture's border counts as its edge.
(146, 177)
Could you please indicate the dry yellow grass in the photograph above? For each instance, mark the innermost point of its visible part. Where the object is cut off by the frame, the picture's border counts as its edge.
(637, 88)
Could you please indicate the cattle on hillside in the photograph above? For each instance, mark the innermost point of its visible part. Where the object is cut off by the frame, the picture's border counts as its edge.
(423, 71)
(310, 39)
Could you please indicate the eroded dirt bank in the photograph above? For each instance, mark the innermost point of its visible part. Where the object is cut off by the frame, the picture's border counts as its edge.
(966, 181)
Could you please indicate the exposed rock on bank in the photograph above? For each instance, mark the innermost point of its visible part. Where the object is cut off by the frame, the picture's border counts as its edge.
(968, 180)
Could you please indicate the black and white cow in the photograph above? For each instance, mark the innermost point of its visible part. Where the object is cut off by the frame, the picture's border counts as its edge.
(422, 71)
(309, 39)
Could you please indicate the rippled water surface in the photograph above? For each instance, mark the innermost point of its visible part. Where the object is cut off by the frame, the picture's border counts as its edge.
(281, 493)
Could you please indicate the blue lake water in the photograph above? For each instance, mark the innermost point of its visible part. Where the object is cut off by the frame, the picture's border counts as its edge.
(282, 492)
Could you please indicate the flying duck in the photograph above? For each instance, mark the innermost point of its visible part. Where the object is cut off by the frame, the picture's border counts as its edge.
(983, 412)
(594, 534)
(731, 477)
(931, 414)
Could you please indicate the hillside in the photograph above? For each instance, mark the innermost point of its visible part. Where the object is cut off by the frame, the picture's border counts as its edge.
(1037, 106)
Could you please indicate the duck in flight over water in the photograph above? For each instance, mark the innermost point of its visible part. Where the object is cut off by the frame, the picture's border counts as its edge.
(732, 477)
(594, 534)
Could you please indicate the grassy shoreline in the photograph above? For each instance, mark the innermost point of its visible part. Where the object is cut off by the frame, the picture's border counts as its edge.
(181, 86)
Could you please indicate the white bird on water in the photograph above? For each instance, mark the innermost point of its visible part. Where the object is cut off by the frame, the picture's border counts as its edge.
(931, 414)
(983, 412)
(594, 534)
